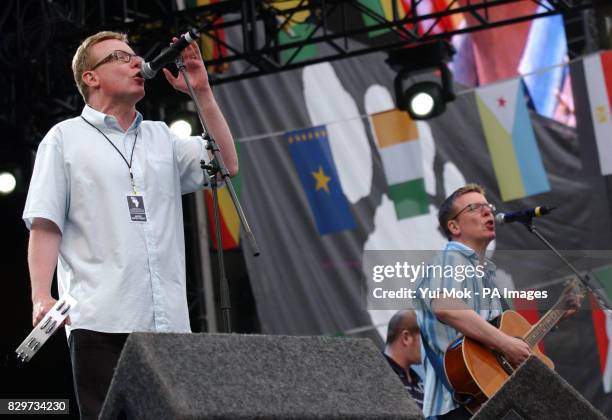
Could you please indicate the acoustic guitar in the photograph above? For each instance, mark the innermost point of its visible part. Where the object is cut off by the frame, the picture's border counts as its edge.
(475, 372)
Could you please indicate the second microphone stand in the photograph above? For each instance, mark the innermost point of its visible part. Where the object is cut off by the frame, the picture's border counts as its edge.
(211, 170)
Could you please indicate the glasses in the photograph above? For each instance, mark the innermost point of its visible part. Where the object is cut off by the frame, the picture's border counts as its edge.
(118, 55)
(474, 207)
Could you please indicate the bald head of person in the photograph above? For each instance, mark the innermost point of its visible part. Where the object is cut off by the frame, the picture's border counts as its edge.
(403, 339)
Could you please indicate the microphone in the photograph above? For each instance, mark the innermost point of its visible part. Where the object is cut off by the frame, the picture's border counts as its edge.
(149, 70)
(523, 215)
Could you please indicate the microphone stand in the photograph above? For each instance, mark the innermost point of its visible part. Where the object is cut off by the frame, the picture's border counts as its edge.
(217, 166)
(585, 279)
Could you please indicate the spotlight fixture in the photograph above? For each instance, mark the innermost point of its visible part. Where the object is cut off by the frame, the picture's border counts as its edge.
(181, 128)
(11, 178)
(423, 99)
(183, 124)
(8, 182)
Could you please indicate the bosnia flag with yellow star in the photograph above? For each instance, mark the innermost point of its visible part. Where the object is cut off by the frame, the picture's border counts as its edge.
(313, 160)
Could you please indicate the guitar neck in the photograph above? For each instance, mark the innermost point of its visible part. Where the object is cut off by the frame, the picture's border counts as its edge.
(551, 318)
(539, 330)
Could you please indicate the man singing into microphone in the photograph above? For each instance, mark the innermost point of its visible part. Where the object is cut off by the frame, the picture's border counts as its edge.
(104, 205)
(467, 219)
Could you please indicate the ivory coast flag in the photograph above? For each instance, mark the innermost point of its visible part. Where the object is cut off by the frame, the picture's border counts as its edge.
(592, 87)
(510, 139)
(397, 137)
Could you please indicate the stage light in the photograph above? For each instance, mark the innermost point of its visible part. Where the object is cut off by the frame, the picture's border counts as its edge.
(8, 182)
(422, 103)
(181, 128)
(423, 99)
(183, 123)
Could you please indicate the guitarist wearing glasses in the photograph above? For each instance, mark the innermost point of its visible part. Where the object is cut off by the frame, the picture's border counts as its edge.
(467, 219)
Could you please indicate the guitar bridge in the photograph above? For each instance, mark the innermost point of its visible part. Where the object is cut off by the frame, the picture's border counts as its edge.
(506, 366)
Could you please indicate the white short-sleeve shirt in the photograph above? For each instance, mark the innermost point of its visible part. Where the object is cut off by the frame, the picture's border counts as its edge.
(126, 275)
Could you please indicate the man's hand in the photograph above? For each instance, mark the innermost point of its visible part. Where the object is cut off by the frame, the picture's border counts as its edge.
(515, 350)
(573, 303)
(40, 308)
(194, 67)
(217, 126)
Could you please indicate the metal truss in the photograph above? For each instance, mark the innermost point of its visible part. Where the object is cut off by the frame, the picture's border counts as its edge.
(252, 38)
(251, 31)
(335, 23)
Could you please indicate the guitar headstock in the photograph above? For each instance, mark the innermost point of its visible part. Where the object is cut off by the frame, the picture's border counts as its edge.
(572, 296)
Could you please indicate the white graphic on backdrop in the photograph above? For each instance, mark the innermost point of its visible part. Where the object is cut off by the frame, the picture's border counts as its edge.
(329, 103)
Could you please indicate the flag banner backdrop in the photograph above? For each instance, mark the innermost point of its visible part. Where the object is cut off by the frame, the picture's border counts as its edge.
(602, 319)
(546, 45)
(592, 86)
(230, 222)
(391, 10)
(309, 282)
(397, 138)
(314, 163)
(381, 8)
(211, 48)
(511, 141)
(295, 28)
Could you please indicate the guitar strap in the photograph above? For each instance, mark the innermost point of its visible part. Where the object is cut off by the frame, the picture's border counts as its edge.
(504, 303)
(437, 364)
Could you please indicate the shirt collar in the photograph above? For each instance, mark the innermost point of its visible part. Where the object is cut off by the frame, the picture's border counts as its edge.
(462, 248)
(406, 373)
(394, 365)
(470, 254)
(104, 121)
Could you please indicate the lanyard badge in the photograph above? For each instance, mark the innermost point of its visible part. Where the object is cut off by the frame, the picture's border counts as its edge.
(136, 207)
(135, 202)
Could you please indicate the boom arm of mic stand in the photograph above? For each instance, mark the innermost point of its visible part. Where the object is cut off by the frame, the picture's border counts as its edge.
(218, 164)
(601, 297)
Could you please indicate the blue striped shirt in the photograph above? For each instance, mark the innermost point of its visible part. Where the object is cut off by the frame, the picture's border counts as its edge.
(437, 399)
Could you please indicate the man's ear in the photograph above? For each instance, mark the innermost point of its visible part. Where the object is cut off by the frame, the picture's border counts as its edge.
(453, 227)
(408, 338)
(90, 78)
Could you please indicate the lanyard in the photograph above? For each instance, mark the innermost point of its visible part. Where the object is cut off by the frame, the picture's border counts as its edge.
(129, 164)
